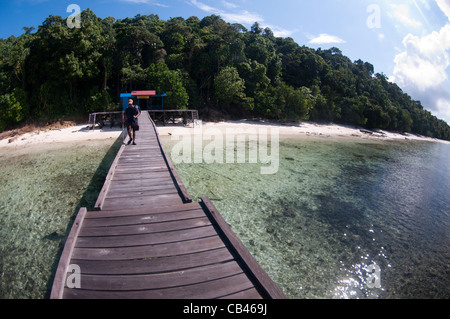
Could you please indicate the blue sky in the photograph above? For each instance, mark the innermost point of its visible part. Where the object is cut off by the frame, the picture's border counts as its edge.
(408, 40)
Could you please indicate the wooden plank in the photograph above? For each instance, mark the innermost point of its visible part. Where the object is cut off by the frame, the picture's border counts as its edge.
(150, 145)
(117, 190)
(143, 148)
(206, 290)
(141, 183)
(64, 262)
(141, 168)
(154, 265)
(157, 200)
(145, 239)
(137, 184)
(145, 228)
(144, 188)
(148, 193)
(150, 251)
(143, 151)
(251, 293)
(133, 164)
(160, 280)
(141, 159)
(143, 219)
(144, 156)
(260, 276)
(140, 211)
(150, 176)
(104, 190)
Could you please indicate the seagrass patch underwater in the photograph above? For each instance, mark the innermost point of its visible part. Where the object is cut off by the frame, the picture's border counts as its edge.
(41, 190)
(336, 207)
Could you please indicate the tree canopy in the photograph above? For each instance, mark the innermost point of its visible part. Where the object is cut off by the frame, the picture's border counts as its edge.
(204, 64)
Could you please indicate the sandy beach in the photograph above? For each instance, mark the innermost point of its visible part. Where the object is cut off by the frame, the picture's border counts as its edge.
(303, 129)
(44, 137)
(80, 133)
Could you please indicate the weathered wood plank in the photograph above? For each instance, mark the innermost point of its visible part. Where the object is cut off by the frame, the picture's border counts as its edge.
(142, 176)
(141, 183)
(144, 228)
(143, 219)
(154, 265)
(145, 239)
(137, 169)
(206, 290)
(130, 193)
(161, 280)
(143, 164)
(157, 200)
(141, 211)
(163, 184)
(150, 251)
(143, 191)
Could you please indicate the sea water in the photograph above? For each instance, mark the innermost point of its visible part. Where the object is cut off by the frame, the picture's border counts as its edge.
(41, 191)
(335, 207)
(342, 218)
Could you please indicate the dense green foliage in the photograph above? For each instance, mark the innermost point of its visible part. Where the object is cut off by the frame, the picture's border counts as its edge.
(205, 64)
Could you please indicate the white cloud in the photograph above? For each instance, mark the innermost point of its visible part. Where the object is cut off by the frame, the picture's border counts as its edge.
(424, 3)
(161, 5)
(424, 62)
(204, 7)
(443, 109)
(242, 16)
(324, 38)
(401, 13)
(136, 1)
(280, 32)
(422, 67)
(229, 5)
(444, 5)
(149, 2)
(235, 14)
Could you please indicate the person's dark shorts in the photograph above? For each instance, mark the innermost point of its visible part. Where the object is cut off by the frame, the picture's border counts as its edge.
(132, 125)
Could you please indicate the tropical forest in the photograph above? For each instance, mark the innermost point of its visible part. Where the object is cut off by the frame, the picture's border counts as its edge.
(223, 70)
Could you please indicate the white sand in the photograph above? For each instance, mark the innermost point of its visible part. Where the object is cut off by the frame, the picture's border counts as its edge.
(303, 129)
(80, 133)
(77, 133)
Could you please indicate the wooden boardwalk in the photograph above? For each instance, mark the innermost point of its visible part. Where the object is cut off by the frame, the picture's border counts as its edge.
(149, 240)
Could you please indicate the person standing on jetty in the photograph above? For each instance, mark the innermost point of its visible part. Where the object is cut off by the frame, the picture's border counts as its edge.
(132, 113)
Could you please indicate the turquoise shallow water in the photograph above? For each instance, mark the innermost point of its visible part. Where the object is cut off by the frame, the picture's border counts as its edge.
(335, 207)
(41, 190)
